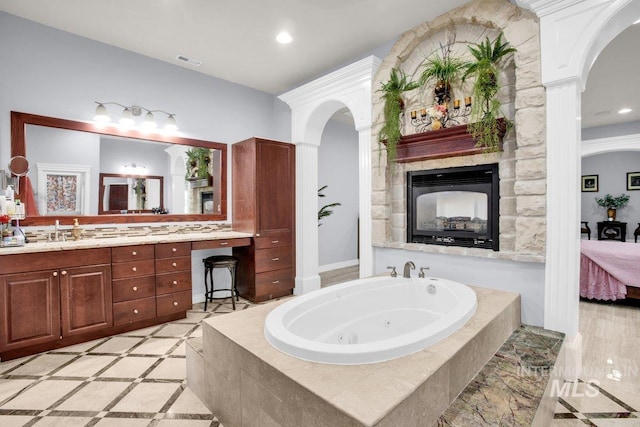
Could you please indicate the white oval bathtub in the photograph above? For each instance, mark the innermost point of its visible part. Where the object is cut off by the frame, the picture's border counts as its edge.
(369, 320)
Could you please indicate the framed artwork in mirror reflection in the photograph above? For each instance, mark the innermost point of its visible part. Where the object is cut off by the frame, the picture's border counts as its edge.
(633, 181)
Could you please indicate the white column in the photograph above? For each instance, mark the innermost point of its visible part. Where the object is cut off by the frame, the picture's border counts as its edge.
(307, 277)
(364, 195)
(563, 208)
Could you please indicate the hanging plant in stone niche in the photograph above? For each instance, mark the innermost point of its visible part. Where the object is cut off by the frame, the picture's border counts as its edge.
(485, 125)
(392, 91)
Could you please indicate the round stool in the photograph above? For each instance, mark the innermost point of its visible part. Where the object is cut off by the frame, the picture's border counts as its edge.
(219, 261)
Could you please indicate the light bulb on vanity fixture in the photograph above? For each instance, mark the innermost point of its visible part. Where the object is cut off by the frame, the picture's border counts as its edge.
(130, 113)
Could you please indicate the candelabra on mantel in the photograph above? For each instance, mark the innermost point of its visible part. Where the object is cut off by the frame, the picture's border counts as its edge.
(440, 115)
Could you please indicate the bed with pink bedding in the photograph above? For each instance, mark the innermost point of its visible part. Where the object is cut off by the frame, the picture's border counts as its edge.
(609, 270)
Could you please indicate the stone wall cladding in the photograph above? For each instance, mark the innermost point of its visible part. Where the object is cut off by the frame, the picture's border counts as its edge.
(522, 164)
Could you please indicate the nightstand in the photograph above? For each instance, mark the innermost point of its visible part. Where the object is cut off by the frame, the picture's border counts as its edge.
(612, 230)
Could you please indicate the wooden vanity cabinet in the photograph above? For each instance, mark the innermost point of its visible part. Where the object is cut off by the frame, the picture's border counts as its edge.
(67, 296)
(264, 205)
(173, 278)
(134, 289)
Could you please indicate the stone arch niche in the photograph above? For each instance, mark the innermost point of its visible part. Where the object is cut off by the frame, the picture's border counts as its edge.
(311, 107)
(522, 161)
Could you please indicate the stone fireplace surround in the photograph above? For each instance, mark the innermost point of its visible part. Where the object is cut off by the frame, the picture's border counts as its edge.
(522, 163)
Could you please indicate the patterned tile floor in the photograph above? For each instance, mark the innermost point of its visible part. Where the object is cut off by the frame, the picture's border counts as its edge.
(138, 379)
(133, 379)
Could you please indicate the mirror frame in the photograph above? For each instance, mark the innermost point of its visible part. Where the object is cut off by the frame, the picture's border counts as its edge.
(19, 122)
(101, 209)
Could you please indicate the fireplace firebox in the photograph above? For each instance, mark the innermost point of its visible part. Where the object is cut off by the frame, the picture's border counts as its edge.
(454, 207)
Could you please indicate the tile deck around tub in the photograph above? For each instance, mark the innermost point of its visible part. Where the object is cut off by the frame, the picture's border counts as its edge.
(248, 382)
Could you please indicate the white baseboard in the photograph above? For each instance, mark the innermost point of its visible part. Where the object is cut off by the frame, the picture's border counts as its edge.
(338, 265)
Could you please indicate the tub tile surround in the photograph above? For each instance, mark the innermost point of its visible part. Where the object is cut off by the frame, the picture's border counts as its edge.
(246, 381)
(519, 374)
(522, 166)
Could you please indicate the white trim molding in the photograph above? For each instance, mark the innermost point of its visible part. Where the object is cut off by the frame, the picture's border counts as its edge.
(591, 147)
(312, 105)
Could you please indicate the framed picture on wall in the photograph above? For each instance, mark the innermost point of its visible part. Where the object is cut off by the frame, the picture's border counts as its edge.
(633, 180)
(589, 183)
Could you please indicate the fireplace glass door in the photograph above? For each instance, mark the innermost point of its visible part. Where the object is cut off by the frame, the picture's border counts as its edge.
(452, 210)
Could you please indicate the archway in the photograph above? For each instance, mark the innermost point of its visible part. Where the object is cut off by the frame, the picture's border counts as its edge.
(572, 36)
(312, 105)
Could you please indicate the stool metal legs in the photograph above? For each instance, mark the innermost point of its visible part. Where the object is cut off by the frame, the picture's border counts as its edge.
(208, 283)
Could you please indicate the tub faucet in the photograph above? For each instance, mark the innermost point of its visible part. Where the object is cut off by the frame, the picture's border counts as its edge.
(408, 266)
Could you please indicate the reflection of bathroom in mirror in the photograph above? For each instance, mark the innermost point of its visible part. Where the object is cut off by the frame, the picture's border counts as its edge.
(76, 172)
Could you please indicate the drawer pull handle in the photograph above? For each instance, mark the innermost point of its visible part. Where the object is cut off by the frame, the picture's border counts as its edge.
(224, 243)
(175, 282)
(275, 241)
(175, 303)
(275, 259)
(55, 274)
(64, 272)
(275, 282)
(135, 311)
(134, 269)
(134, 253)
(173, 249)
(135, 288)
(174, 264)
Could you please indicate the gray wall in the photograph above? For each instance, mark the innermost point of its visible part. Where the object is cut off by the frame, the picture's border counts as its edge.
(610, 131)
(50, 72)
(611, 169)
(338, 168)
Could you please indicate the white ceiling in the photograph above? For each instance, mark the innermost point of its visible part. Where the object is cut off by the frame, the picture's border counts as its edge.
(235, 39)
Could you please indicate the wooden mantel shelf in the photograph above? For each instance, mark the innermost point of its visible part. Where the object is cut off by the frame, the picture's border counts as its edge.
(436, 144)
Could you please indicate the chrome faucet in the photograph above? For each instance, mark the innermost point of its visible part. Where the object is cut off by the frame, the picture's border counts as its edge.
(57, 231)
(408, 266)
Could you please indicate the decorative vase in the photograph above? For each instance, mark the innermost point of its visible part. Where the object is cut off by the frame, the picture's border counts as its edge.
(435, 124)
(611, 214)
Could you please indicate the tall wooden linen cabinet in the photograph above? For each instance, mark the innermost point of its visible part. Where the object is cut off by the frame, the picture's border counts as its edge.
(264, 204)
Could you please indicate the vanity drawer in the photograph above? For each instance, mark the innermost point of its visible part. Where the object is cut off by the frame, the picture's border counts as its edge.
(174, 303)
(131, 253)
(133, 288)
(170, 250)
(173, 282)
(273, 240)
(134, 311)
(167, 265)
(222, 243)
(273, 284)
(122, 270)
(273, 259)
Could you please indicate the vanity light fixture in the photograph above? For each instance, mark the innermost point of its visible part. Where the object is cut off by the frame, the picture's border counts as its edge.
(127, 117)
(135, 168)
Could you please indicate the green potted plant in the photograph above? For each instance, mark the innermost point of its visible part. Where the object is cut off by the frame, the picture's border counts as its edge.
(197, 163)
(392, 91)
(486, 108)
(325, 211)
(445, 70)
(612, 203)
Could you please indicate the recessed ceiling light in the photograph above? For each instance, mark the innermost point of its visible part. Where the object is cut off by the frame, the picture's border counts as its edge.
(625, 111)
(284, 38)
(636, 22)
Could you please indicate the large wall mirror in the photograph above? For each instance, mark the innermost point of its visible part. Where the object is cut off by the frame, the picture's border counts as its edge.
(107, 174)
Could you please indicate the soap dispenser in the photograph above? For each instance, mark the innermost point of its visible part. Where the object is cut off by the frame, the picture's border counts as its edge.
(76, 231)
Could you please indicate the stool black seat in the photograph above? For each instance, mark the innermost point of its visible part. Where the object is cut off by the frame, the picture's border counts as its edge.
(219, 261)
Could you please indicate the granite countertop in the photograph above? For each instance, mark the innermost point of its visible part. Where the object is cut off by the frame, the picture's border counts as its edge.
(510, 387)
(121, 241)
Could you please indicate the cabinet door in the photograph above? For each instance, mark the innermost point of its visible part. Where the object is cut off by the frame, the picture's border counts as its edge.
(275, 186)
(30, 311)
(86, 299)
